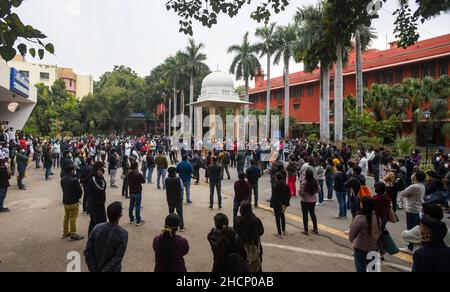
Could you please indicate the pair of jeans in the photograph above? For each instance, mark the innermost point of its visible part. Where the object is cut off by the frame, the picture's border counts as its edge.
(254, 192)
(218, 187)
(135, 207)
(21, 171)
(86, 207)
(161, 174)
(309, 208)
(48, 172)
(70, 218)
(56, 162)
(236, 205)
(321, 193)
(225, 169)
(280, 220)
(178, 207)
(354, 205)
(113, 174)
(393, 193)
(125, 187)
(2, 197)
(329, 182)
(342, 202)
(197, 174)
(149, 174)
(412, 220)
(360, 258)
(187, 189)
(38, 160)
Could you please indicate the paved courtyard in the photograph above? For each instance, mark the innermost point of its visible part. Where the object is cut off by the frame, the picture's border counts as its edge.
(30, 233)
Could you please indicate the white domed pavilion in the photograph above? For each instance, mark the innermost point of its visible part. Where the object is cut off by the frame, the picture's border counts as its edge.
(217, 94)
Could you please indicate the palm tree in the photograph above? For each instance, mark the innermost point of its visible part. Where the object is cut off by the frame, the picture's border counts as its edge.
(194, 65)
(286, 42)
(245, 66)
(363, 38)
(314, 51)
(267, 48)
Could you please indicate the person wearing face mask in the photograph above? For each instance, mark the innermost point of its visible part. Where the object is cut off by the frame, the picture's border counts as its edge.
(414, 235)
(97, 195)
(434, 255)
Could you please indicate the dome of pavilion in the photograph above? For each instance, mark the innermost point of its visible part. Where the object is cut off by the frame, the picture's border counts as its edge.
(218, 90)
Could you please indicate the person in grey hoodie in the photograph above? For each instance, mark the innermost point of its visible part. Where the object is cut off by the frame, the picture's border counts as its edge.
(413, 199)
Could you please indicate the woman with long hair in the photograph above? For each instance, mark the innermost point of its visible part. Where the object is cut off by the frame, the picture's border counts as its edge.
(125, 170)
(308, 192)
(170, 248)
(364, 233)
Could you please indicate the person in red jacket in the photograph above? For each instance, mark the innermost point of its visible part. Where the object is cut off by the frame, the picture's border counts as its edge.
(241, 193)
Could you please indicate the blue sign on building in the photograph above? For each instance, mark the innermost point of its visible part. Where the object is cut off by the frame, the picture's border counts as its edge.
(19, 83)
(137, 115)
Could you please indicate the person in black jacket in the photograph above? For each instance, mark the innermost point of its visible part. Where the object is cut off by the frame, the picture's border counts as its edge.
(227, 248)
(66, 161)
(71, 197)
(113, 164)
(135, 182)
(434, 255)
(253, 174)
(86, 174)
(4, 184)
(48, 161)
(341, 193)
(97, 195)
(354, 185)
(174, 194)
(281, 195)
(215, 182)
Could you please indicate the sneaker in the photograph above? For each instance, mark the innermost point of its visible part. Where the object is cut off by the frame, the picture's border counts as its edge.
(284, 233)
(406, 250)
(305, 233)
(319, 204)
(4, 210)
(279, 235)
(182, 229)
(210, 208)
(347, 232)
(65, 236)
(189, 203)
(315, 231)
(338, 217)
(140, 223)
(131, 222)
(76, 238)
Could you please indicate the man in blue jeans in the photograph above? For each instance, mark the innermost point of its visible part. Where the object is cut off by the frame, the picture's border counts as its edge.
(135, 182)
(161, 167)
(185, 170)
(215, 182)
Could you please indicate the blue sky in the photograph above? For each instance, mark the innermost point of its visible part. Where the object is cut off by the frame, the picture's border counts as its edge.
(94, 35)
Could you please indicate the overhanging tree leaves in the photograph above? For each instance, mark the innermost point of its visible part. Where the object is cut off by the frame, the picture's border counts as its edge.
(16, 36)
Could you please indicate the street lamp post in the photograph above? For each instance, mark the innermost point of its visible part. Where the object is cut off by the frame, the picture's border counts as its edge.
(427, 114)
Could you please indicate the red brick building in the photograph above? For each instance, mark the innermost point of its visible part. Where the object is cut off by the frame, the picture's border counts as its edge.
(426, 58)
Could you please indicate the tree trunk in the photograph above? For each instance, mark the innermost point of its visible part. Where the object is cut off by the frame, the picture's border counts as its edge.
(191, 100)
(326, 102)
(359, 75)
(339, 96)
(182, 105)
(268, 123)
(164, 120)
(321, 110)
(175, 104)
(170, 118)
(246, 109)
(286, 99)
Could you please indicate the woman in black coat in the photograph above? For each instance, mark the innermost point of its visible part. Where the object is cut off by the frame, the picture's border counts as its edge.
(281, 195)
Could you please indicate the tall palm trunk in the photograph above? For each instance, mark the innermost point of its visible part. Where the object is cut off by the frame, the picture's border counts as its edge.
(191, 100)
(326, 102)
(164, 121)
(359, 74)
(175, 105)
(170, 118)
(339, 96)
(269, 57)
(286, 99)
(246, 108)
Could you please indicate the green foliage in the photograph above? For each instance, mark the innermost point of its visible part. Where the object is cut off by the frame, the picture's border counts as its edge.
(365, 141)
(403, 146)
(16, 36)
(245, 64)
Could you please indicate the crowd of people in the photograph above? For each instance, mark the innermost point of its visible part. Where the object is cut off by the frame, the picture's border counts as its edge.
(321, 171)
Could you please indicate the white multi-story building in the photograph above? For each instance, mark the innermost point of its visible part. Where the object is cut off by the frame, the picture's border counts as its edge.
(17, 99)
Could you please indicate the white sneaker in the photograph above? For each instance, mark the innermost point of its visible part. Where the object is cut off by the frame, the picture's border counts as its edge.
(319, 204)
(347, 232)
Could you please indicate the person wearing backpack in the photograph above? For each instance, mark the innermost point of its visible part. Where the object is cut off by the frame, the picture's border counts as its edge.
(227, 248)
(249, 228)
(354, 185)
(281, 195)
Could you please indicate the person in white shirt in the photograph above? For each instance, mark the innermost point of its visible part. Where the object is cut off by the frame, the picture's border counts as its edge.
(363, 163)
